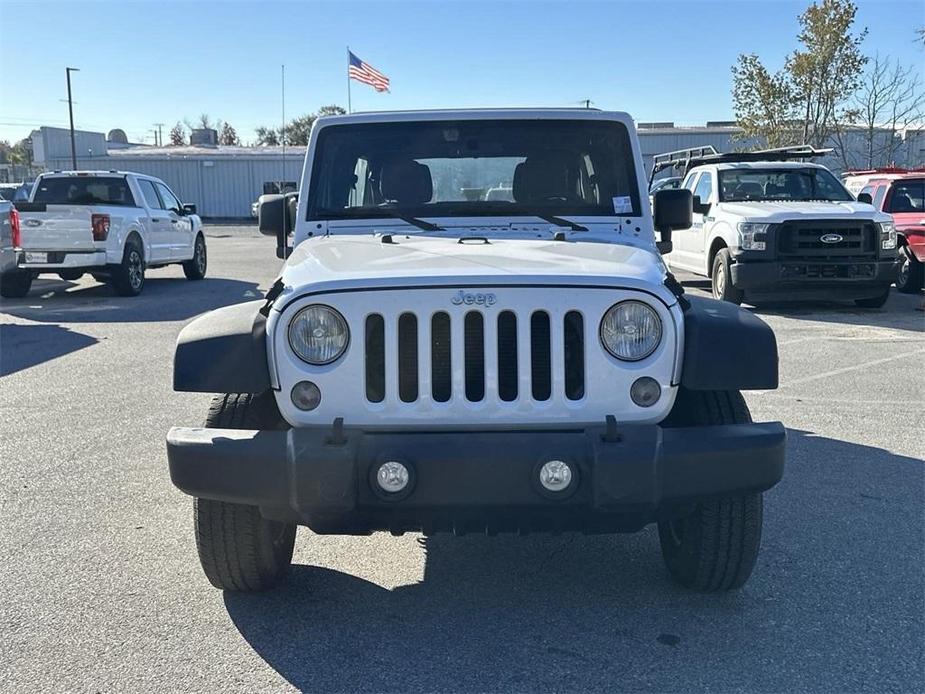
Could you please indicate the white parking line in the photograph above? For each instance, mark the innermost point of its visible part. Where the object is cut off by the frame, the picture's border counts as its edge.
(836, 372)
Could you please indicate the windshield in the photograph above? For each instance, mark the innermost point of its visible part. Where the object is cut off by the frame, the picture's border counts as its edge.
(84, 190)
(473, 168)
(739, 185)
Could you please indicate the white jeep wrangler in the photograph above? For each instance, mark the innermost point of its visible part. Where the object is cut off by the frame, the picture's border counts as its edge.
(437, 358)
(768, 228)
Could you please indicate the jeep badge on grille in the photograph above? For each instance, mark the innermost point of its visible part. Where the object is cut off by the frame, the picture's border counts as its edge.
(478, 299)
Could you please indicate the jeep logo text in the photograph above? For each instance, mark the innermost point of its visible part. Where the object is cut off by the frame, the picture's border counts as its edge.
(477, 299)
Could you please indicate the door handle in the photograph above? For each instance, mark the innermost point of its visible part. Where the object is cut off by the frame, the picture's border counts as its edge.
(156, 219)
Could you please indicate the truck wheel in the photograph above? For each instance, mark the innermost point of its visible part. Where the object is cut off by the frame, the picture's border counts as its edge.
(715, 546)
(195, 268)
(721, 279)
(15, 284)
(910, 277)
(238, 548)
(874, 301)
(128, 278)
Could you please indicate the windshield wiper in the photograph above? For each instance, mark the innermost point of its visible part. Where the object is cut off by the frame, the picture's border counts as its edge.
(559, 222)
(378, 213)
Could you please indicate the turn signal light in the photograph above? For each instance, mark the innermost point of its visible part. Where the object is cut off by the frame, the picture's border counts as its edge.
(99, 223)
(15, 231)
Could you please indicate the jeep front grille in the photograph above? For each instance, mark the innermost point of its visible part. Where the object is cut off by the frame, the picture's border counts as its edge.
(490, 356)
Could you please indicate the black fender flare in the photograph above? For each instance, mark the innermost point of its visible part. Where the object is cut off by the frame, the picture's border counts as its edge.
(727, 347)
(224, 351)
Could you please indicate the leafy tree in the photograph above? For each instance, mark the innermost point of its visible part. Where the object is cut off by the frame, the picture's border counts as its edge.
(19, 154)
(228, 135)
(205, 122)
(266, 136)
(807, 99)
(298, 129)
(177, 135)
(332, 110)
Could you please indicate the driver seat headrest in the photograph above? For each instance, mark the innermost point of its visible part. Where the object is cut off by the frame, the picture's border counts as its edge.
(540, 177)
(406, 182)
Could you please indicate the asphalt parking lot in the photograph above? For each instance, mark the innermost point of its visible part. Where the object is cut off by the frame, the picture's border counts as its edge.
(100, 587)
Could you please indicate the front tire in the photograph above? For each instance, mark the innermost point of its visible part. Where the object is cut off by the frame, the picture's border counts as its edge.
(721, 279)
(128, 277)
(15, 284)
(715, 546)
(239, 549)
(910, 278)
(195, 268)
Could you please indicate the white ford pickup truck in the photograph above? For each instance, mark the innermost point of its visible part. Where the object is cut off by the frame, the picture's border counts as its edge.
(436, 356)
(112, 224)
(768, 228)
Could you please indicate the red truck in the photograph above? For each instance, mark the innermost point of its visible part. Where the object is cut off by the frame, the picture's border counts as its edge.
(901, 193)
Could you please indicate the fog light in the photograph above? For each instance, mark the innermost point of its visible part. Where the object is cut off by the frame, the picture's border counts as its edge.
(645, 391)
(306, 395)
(555, 475)
(392, 477)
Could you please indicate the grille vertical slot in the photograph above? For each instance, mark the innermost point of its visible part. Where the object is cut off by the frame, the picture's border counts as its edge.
(441, 371)
(574, 335)
(507, 356)
(375, 358)
(474, 343)
(540, 356)
(408, 357)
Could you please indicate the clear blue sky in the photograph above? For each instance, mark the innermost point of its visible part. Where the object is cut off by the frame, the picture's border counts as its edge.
(148, 62)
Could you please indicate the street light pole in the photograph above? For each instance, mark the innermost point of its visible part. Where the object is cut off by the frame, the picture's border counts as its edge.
(70, 109)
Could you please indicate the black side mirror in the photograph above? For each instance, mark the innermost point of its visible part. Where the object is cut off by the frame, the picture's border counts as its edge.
(672, 209)
(189, 208)
(865, 198)
(276, 217)
(700, 207)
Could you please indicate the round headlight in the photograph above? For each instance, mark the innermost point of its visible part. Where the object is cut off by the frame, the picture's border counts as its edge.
(631, 330)
(318, 334)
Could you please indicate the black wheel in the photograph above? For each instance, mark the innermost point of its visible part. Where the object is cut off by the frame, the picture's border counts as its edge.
(874, 301)
(911, 275)
(238, 548)
(15, 284)
(71, 275)
(721, 279)
(99, 277)
(715, 546)
(128, 278)
(195, 268)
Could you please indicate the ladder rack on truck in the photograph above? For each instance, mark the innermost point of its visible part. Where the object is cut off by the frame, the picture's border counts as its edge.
(686, 159)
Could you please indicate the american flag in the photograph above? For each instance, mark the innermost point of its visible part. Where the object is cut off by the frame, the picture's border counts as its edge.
(367, 74)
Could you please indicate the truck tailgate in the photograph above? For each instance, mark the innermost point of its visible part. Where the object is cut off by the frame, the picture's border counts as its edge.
(55, 227)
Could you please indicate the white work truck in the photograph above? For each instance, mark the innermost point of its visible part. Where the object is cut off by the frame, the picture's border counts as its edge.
(767, 228)
(112, 224)
(436, 356)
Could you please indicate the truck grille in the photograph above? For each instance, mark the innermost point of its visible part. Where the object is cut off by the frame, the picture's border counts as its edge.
(491, 356)
(798, 240)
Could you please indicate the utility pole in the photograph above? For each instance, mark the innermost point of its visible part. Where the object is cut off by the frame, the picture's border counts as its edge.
(70, 109)
(159, 140)
(282, 130)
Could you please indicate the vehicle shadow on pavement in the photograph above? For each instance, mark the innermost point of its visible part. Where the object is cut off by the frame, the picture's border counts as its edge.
(829, 602)
(24, 346)
(163, 299)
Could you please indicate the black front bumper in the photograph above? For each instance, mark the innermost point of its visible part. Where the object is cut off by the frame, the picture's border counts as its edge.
(814, 278)
(478, 480)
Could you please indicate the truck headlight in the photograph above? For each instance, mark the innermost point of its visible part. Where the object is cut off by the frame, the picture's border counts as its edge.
(887, 235)
(753, 236)
(631, 330)
(318, 334)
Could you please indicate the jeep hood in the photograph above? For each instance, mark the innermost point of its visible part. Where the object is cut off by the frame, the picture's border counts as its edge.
(779, 211)
(349, 262)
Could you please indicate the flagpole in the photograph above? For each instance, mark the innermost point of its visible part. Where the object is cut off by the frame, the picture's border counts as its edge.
(349, 106)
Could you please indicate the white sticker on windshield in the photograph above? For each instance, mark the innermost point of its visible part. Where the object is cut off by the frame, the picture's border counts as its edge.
(622, 204)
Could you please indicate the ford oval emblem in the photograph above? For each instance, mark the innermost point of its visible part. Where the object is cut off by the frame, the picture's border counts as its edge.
(33, 222)
(831, 238)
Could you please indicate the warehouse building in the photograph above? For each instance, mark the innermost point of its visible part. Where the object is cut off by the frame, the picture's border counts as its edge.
(223, 181)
